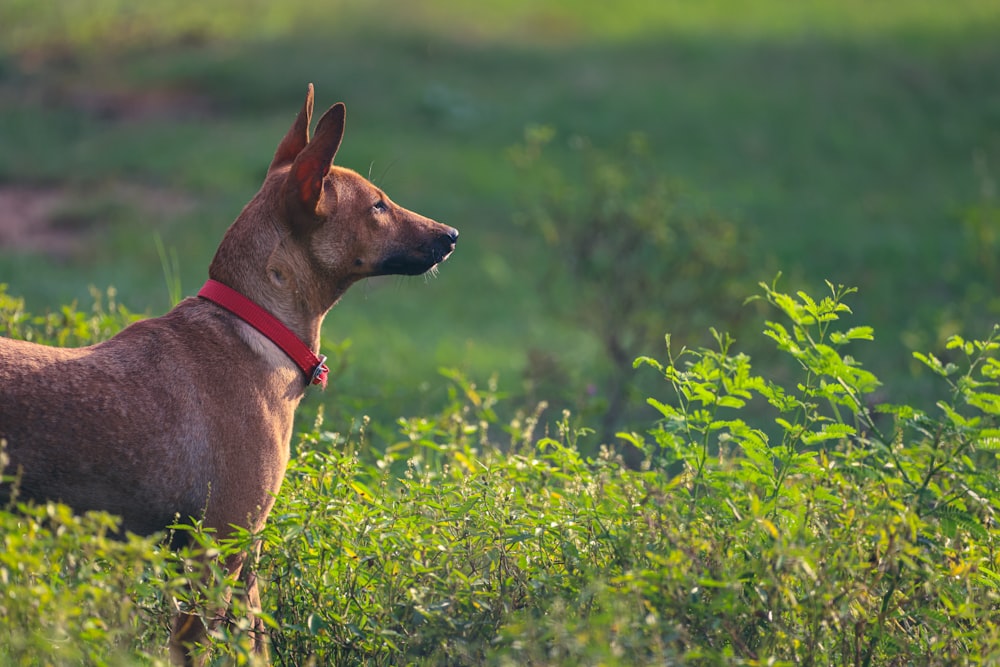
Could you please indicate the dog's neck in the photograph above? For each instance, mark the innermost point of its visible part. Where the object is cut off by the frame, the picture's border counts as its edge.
(268, 266)
(308, 361)
(293, 303)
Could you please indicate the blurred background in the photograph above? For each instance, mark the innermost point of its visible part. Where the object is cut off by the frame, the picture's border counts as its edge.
(617, 171)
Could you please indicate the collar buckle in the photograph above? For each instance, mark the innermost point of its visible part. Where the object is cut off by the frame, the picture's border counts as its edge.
(319, 373)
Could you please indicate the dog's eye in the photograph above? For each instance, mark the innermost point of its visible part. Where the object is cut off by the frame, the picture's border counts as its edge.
(380, 206)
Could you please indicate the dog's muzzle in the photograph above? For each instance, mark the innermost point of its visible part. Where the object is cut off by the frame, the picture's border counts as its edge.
(414, 261)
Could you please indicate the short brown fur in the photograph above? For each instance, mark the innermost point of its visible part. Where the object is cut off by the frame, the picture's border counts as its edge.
(190, 414)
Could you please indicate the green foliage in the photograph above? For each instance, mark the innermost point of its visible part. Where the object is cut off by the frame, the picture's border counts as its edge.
(792, 522)
(831, 540)
(635, 246)
(68, 327)
(71, 594)
(628, 250)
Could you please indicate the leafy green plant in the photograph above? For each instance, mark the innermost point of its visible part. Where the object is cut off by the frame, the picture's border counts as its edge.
(71, 593)
(69, 326)
(845, 541)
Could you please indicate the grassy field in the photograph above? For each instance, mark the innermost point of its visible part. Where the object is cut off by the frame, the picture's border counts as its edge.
(851, 141)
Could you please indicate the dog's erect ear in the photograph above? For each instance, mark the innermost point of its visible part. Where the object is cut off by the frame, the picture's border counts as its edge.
(297, 137)
(305, 180)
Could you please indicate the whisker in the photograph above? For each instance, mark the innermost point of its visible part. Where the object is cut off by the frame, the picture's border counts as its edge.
(381, 178)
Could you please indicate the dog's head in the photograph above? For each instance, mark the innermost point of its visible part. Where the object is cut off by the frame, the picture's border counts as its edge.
(350, 226)
(318, 228)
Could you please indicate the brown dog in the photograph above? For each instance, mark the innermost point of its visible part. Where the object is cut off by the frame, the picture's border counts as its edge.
(190, 413)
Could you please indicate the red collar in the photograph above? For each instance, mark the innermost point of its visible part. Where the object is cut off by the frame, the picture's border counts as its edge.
(314, 367)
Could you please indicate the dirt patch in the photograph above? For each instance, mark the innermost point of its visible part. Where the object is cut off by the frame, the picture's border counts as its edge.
(113, 101)
(26, 216)
(60, 221)
(135, 105)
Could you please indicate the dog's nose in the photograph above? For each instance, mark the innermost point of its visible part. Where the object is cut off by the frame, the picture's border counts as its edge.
(452, 234)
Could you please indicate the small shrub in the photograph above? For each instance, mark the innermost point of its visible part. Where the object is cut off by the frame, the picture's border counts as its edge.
(628, 251)
(71, 593)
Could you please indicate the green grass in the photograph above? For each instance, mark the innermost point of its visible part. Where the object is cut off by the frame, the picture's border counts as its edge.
(842, 136)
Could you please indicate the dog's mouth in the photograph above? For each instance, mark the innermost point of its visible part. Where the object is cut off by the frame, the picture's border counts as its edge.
(440, 258)
(417, 261)
(409, 265)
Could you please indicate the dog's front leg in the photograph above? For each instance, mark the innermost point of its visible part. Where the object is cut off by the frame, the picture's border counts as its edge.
(252, 598)
(187, 635)
(187, 643)
(187, 638)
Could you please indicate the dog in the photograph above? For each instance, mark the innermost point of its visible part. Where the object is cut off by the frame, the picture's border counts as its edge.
(190, 414)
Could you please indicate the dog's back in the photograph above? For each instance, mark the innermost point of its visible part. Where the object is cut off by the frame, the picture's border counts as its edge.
(75, 420)
(128, 425)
